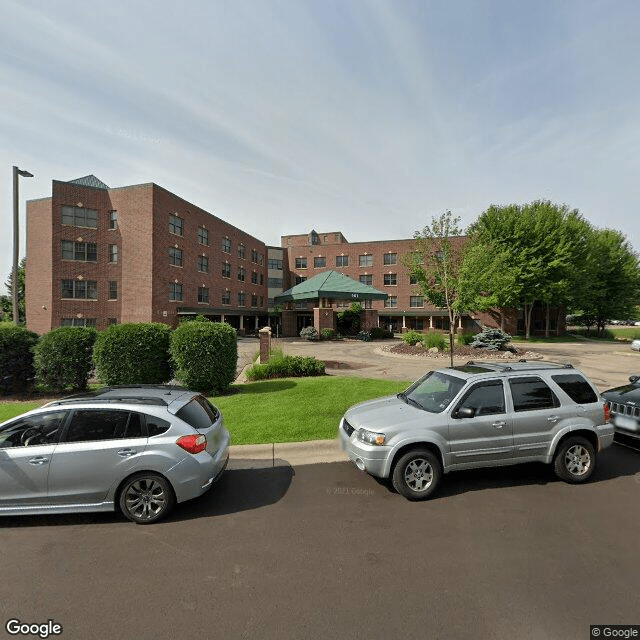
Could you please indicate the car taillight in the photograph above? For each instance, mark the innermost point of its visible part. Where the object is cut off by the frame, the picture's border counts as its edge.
(607, 413)
(193, 444)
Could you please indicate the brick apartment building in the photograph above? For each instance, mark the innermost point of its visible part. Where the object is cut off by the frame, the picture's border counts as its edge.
(99, 256)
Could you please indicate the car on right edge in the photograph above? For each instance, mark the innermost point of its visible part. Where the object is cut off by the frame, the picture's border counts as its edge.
(624, 405)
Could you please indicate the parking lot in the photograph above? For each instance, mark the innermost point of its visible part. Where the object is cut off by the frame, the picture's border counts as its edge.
(325, 551)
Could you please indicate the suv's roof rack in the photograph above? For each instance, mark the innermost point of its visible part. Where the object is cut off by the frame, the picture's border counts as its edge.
(120, 399)
(535, 364)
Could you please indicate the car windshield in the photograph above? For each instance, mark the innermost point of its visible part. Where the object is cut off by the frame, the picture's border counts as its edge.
(433, 392)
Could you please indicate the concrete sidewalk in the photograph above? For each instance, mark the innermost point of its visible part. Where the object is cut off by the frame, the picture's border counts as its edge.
(260, 456)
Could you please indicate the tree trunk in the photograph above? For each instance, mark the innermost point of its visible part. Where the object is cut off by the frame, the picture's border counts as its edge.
(546, 325)
(528, 308)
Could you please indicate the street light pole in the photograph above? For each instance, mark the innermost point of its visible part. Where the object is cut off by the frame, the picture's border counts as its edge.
(16, 239)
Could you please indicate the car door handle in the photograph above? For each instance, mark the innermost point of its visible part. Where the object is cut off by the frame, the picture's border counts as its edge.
(553, 418)
(38, 460)
(126, 453)
(499, 424)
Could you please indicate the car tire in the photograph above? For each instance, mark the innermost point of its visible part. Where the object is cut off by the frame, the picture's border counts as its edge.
(575, 460)
(146, 498)
(417, 474)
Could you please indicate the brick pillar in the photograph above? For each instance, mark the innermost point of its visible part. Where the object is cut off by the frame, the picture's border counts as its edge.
(289, 323)
(324, 319)
(265, 344)
(369, 319)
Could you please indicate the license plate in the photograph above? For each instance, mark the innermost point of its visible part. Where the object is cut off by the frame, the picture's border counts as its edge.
(628, 424)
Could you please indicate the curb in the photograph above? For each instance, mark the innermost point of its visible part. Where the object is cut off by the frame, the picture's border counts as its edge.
(285, 454)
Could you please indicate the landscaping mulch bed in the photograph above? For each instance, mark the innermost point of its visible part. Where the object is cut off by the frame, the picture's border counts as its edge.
(463, 351)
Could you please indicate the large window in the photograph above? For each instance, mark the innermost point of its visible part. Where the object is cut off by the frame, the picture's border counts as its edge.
(113, 289)
(241, 273)
(391, 302)
(366, 279)
(226, 297)
(203, 236)
(276, 265)
(226, 245)
(176, 224)
(532, 394)
(80, 289)
(241, 298)
(391, 279)
(203, 295)
(78, 322)
(320, 262)
(113, 219)
(113, 253)
(416, 301)
(88, 425)
(486, 399)
(175, 292)
(274, 283)
(342, 261)
(254, 277)
(203, 264)
(241, 251)
(366, 260)
(301, 263)
(84, 251)
(80, 217)
(226, 270)
(175, 257)
(254, 300)
(390, 258)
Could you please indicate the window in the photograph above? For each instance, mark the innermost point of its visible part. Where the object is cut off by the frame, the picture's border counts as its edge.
(175, 292)
(44, 428)
(254, 277)
(241, 273)
(254, 300)
(88, 425)
(532, 394)
(78, 322)
(84, 251)
(390, 279)
(199, 413)
(276, 265)
(256, 257)
(301, 263)
(241, 299)
(367, 304)
(300, 279)
(113, 219)
(80, 217)
(80, 289)
(203, 236)
(262, 301)
(390, 258)
(342, 261)
(203, 295)
(226, 270)
(176, 224)
(203, 264)
(261, 278)
(260, 259)
(391, 302)
(111, 321)
(366, 261)
(320, 262)
(241, 251)
(271, 302)
(113, 253)
(416, 301)
(226, 297)
(366, 279)
(576, 387)
(175, 257)
(113, 289)
(486, 399)
(226, 245)
(274, 283)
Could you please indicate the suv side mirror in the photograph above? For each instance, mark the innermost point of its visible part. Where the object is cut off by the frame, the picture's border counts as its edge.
(465, 412)
(633, 379)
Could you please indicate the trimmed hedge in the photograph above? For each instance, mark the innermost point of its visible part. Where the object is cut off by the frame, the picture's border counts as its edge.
(287, 367)
(205, 355)
(16, 358)
(63, 358)
(133, 353)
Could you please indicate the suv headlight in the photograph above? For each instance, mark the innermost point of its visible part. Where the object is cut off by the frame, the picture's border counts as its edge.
(371, 437)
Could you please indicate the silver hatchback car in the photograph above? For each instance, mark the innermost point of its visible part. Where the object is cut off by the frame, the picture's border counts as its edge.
(139, 449)
(479, 415)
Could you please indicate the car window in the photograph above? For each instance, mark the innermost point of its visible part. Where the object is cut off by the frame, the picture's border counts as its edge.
(531, 394)
(576, 387)
(30, 430)
(433, 392)
(156, 426)
(198, 413)
(101, 424)
(485, 398)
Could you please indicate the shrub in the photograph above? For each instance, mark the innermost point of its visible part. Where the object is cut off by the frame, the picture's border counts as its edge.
(349, 321)
(491, 339)
(205, 355)
(327, 334)
(287, 367)
(365, 336)
(310, 333)
(63, 358)
(434, 339)
(133, 353)
(413, 337)
(465, 338)
(377, 333)
(16, 358)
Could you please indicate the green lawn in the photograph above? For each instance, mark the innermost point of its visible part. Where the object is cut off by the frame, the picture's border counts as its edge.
(567, 337)
(288, 410)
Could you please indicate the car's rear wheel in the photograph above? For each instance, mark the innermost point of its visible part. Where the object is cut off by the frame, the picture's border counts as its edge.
(575, 460)
(417, 474)
(146, 498)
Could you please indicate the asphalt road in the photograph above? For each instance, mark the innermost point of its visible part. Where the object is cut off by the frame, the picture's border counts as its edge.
(325, 551)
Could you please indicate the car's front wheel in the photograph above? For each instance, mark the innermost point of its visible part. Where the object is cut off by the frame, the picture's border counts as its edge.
(417, 474)
(146, 498)
(575, 460)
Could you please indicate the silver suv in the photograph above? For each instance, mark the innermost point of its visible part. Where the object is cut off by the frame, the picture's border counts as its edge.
(139, 449)
(479, 415)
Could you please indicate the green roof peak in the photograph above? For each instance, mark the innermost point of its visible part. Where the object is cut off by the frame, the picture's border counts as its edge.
(89, 181)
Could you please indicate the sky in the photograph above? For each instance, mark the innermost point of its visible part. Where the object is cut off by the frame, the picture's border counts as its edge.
(362, 116)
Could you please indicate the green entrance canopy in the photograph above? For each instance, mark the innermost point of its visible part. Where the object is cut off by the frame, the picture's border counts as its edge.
(332, 285)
